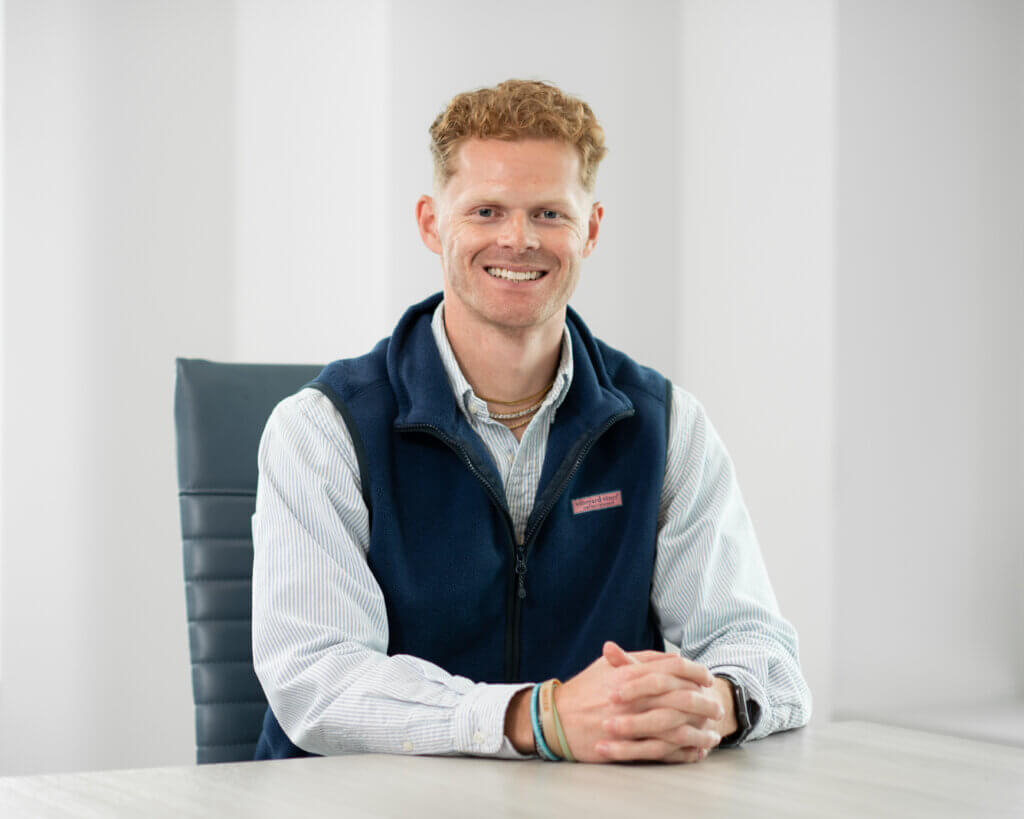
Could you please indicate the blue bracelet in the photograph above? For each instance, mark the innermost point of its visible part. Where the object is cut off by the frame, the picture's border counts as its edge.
(538, 734)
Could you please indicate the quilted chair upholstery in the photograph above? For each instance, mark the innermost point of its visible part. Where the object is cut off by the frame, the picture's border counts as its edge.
(220, 411)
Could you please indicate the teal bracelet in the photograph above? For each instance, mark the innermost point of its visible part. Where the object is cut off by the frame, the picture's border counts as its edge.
(538, 734)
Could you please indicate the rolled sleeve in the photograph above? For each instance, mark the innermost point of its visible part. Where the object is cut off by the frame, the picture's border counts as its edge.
(711, 589)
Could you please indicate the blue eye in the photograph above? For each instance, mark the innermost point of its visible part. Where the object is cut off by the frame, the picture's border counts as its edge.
(484, 212)
(550, 214)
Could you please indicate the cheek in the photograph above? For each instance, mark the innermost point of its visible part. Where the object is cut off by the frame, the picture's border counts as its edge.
(465, 244)
(569, 246)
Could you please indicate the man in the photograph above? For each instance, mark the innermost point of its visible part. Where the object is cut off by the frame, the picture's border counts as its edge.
(492, 498)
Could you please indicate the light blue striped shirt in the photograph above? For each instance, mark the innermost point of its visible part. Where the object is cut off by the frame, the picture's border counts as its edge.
(319, 625)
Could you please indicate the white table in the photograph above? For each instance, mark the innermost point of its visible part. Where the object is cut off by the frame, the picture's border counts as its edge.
(843, 769)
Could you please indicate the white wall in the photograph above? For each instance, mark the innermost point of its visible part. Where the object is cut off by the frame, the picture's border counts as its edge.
(756, 310)
(118, 233)
(312, 161)
(929, 413)
(3, 244)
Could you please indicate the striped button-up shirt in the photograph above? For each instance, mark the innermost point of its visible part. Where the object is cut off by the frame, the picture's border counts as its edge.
(319, 624)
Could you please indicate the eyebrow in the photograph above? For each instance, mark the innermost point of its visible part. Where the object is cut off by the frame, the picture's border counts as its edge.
(483, 201)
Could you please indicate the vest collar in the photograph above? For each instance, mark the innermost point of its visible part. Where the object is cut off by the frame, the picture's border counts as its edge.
(425, 399)
(424, 395)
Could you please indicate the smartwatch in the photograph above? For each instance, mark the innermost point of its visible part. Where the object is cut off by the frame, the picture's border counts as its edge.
(747, 713)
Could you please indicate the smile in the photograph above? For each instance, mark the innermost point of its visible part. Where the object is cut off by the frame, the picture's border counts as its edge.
(515, 275)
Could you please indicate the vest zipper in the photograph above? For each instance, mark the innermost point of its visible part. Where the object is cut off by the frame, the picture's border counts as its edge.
(517, 580)
(523, 548)
(521, 570)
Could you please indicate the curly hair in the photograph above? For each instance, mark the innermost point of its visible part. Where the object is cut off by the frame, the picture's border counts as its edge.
(517, 109)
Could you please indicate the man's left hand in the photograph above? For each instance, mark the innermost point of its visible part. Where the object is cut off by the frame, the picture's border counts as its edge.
(665, 707)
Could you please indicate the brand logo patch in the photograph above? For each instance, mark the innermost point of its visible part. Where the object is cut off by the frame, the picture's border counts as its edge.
(591, 503)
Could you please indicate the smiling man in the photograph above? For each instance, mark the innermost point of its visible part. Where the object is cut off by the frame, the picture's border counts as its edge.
(492, 501)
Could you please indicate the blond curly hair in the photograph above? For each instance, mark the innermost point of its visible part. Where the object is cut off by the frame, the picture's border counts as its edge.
(517, 109)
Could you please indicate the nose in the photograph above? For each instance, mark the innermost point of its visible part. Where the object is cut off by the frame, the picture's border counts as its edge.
(518, 233)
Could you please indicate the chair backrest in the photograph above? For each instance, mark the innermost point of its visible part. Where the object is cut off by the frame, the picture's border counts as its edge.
(219, 412)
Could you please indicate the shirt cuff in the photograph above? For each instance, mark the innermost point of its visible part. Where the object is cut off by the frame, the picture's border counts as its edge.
(480, 721)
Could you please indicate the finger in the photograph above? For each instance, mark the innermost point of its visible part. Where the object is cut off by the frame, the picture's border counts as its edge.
(640, 726)
(651, 750)
(677, 666)
(666, 724)
(615, 656)
(651, 685)
(686, 736)
(648, 655)
(627, 750)
(691, 701)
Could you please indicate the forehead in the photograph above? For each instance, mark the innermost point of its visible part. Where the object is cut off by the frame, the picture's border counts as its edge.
(534, 166)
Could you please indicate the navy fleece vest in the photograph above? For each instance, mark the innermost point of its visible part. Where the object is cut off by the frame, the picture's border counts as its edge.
(459, 590)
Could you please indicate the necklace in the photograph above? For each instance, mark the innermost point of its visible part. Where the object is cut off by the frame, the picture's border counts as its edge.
(508, 416)
(533, 397)
(520, 424)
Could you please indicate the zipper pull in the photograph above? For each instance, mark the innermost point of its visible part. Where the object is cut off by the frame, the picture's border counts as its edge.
(521, 570)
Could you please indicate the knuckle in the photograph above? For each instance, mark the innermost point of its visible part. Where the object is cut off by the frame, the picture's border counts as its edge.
(612, 750)
(621, 725)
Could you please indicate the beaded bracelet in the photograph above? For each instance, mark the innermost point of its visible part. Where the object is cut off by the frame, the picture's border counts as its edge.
(538, 734)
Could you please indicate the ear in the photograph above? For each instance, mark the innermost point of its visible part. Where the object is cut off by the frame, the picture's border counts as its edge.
(426, 220)
(593, 226)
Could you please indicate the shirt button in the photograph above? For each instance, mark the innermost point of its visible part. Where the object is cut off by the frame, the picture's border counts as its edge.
(407, 746)
(478, 737)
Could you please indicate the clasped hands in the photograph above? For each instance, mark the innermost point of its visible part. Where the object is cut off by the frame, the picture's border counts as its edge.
(647, 705)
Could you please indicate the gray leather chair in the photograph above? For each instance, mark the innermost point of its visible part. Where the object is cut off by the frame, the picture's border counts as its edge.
(219, 412)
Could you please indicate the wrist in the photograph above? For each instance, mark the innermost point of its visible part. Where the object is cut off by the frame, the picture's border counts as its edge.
(518, 727)
(727, 726)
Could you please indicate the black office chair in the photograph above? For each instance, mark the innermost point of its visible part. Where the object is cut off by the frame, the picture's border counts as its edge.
(219, 412)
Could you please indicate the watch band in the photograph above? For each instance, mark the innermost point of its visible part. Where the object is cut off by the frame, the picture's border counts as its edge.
(743, 706)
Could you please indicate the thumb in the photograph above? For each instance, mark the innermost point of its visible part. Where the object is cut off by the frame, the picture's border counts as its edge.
(615, 656)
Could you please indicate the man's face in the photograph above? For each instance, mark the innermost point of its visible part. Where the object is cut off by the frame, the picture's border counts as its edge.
(512, 227)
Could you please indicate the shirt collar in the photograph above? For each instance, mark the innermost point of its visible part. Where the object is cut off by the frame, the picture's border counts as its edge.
(468, 401)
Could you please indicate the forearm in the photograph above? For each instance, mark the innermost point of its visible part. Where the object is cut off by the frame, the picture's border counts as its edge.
(360, 701)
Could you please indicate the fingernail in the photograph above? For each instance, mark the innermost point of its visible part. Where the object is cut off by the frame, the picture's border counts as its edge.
(716, 737)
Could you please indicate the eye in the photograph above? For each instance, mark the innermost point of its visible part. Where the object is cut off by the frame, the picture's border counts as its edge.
(550, 214)
(486, 213)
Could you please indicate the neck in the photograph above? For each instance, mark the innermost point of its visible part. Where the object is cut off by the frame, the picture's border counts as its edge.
(503, 364)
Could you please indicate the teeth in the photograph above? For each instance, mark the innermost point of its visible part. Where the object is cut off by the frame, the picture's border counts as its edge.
(514, 275)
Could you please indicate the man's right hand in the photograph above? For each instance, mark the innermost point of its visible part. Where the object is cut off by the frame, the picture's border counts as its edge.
(645, 705)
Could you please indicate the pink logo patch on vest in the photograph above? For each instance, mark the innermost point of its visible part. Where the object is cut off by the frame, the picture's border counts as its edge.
(591, 503)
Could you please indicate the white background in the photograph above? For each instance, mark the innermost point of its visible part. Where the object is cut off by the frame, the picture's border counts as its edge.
(813, 222)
